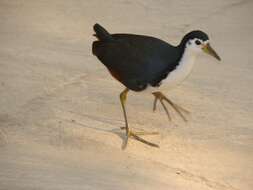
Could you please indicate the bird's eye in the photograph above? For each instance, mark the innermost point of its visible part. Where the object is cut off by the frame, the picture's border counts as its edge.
(197, 42)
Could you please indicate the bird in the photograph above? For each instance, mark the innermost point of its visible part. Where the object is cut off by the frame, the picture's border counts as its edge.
(147, 64)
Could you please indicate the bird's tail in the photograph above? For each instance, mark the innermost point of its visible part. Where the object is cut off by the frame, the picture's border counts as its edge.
(101, 33)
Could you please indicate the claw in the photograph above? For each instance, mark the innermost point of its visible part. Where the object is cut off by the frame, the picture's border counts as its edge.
(159, 96)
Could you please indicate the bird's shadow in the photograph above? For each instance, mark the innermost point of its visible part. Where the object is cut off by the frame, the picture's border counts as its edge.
(118, 131)
(122, 135)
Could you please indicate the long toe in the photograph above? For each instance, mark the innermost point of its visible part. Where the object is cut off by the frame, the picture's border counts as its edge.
(141, 132)
(179, 110)
(136, 137)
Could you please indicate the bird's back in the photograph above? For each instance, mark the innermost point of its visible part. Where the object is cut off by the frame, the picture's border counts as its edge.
(136, 60)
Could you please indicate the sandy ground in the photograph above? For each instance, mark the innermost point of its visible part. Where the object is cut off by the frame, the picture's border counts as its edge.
(60, 113)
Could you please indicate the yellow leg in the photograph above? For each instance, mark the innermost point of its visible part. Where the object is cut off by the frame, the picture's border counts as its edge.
(123, 97)
(161, 97)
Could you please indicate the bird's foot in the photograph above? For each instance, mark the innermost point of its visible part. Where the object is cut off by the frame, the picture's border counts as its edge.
(136, 135)
(161, 97)
(142, 132)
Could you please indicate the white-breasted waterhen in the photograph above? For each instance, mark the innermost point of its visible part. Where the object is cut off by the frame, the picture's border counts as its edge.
(144, 63)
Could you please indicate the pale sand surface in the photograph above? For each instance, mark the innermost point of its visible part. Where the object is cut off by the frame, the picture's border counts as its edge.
(60, 113)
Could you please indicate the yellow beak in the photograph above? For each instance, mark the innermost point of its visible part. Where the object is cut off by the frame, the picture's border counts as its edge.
(209, 50)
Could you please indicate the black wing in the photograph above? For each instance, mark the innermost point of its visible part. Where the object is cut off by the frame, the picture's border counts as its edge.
(137, 60)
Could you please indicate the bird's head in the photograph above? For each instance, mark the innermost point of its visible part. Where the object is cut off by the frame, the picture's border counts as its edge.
(198, 41)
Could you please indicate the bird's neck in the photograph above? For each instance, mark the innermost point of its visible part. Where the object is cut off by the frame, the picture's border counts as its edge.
(188, 57)
(186, 63)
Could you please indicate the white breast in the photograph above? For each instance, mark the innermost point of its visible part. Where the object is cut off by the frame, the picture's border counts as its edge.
(180, 73)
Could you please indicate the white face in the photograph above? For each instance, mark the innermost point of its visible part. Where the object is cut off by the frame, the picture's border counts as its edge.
(195, 45)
